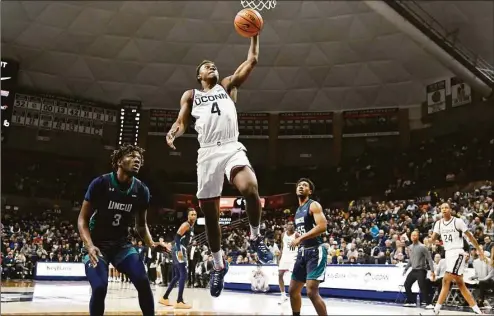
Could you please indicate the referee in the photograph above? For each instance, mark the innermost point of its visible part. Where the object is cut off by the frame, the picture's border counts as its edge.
(419, 257)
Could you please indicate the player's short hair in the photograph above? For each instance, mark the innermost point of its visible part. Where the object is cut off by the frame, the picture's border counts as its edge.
(205, 61)
(311, 184)
(123, 151)
(191, 209)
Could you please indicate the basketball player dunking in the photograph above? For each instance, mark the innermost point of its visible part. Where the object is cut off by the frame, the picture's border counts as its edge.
(452, 231)
(220, 154)
(310, 266)
(180, 261)
(113, 202)
(288, 257)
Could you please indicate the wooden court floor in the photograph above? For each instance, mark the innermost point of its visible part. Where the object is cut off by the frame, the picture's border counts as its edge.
(53, 298)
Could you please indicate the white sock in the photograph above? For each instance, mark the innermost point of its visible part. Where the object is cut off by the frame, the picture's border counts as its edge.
(437, 308)
(218, 260)
(254, 232)
(476, 309)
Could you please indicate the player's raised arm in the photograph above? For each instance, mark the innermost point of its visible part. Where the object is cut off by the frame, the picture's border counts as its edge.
(244, 70)
(180, 125)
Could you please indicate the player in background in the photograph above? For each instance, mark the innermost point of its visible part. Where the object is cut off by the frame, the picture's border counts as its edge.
(113, 202)
(288, 257)
(220, 154)
(452, 230)
(183, 237)
(312, 257)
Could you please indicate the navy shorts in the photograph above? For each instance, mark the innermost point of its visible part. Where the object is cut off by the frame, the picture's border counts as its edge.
(175, 258)
(310, 264)
(114, 254)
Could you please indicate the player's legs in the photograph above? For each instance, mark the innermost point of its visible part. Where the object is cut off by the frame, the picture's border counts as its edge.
(316, 262)
(467, 294)
(176, 276)
(316, 299)
(240, 173)
(281, 282)
(127, 261)
(295, 291)
(299, 276)
(98, 279)
(182, 278)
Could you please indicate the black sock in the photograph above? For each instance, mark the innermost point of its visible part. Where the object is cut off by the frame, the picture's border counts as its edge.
(296, 313)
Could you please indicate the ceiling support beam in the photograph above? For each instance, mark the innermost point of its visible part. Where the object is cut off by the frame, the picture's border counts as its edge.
(431, 47)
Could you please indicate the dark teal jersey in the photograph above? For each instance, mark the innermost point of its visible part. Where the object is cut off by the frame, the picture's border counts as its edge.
(304, 222)
(114, 210)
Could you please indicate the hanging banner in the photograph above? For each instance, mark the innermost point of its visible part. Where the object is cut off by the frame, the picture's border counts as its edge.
(436, 97)
(461, 93)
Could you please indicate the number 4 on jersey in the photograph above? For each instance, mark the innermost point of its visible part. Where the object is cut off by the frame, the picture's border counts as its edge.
(215, 108)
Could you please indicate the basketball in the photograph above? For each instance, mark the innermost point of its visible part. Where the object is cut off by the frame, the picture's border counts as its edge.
(248, 22)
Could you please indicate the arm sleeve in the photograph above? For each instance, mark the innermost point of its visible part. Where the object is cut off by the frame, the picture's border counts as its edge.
(436, 228)
(94, 190)
(489, 276)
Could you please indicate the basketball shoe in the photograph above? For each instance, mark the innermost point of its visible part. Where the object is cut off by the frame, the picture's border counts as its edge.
(263, 253)
(216, 280)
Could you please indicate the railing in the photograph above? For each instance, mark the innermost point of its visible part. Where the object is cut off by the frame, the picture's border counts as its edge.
(201, 238)
(449, 38)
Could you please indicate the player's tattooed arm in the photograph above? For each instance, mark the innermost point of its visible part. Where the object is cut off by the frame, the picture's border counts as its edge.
(244, 70)
(180, 125)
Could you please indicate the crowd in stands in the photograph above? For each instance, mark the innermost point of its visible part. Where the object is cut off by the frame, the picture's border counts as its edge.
(362, 231)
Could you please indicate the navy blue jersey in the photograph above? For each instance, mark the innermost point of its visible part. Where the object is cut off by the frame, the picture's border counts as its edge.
(304, 222)
(186, 238)
(114, 209)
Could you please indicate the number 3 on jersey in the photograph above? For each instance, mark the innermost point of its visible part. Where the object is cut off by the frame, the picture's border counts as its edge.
(116, 219)
(215, 108)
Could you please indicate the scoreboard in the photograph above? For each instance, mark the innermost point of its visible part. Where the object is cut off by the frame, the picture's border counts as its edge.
(253, 125)
(130, 117)
(61, 114)
(250, 125)
(161, 121)
(9, 84)
(369, 123)
(306, 125)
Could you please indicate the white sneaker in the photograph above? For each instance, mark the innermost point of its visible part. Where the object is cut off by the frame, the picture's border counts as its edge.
(283, 299)
(409, 305)
(430, 306)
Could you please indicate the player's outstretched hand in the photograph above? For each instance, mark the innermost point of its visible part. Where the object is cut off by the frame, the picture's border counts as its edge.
(94, 253)
(170, 137)
(482, 256)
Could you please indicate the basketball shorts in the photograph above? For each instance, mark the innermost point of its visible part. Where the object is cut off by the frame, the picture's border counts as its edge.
(455, 261)
(310, 264)
(114, 255)
(287, 262)
(175, 258)
(216, 161)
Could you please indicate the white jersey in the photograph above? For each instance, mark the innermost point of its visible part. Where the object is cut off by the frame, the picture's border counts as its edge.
(288, 253)
(451, 232)
(216, 116)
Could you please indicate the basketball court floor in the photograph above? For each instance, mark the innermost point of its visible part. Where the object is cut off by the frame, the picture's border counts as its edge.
(72, 298)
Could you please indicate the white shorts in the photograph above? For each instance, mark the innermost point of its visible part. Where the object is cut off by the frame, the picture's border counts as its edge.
(287, 263)
(455, 261)
(214, 162)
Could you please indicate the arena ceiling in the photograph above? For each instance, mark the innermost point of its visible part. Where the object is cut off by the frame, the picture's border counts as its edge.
(314, 55)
